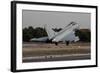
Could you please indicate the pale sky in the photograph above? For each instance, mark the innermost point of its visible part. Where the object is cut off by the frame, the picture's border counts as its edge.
(55, 19)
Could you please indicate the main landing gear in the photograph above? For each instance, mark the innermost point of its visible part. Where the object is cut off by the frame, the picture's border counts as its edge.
(67, 43)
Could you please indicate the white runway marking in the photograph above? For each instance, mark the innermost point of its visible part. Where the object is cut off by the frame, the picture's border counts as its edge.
(54, 56)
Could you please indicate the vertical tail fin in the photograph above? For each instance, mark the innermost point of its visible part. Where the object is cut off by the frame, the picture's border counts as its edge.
(49, 31)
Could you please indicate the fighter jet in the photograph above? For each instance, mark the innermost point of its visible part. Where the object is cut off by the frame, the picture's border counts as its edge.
(67, 34)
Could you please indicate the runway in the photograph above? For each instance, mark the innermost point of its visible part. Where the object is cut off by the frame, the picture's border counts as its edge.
(57, 58)
(34, 52)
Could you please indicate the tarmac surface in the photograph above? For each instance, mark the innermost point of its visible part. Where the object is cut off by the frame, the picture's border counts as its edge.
(41, 52)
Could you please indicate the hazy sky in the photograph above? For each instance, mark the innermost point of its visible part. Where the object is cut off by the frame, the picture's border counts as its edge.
(55, 19)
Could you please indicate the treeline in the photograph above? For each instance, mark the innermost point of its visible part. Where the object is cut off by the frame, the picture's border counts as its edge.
(84, 35)
(30, 32)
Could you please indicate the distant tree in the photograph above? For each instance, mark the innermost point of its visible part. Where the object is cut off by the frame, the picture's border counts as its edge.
(84, 35)
(31, 32)
(26, 35)
(40, 32)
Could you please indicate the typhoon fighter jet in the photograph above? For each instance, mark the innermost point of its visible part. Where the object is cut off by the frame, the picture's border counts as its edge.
(67, 34)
